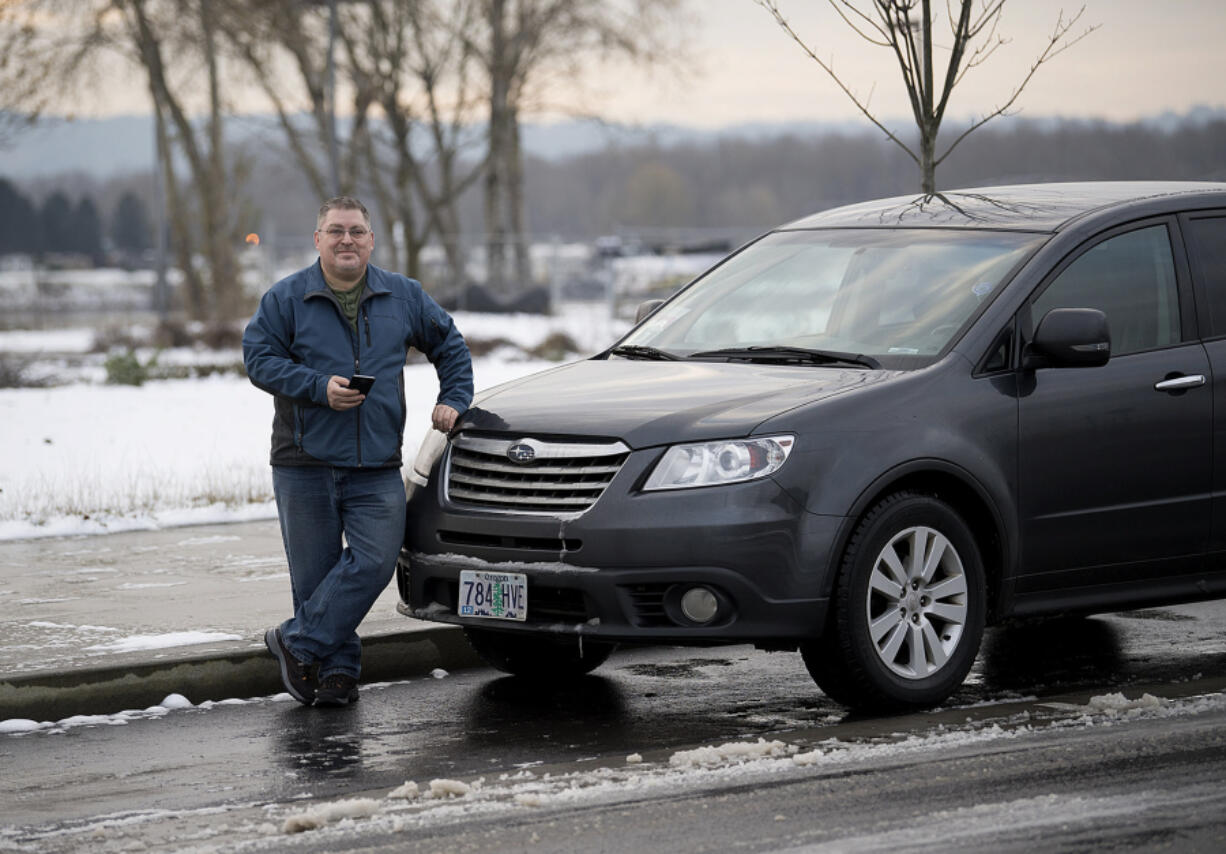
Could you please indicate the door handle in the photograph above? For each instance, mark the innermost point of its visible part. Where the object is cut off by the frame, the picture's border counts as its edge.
(1180, 383)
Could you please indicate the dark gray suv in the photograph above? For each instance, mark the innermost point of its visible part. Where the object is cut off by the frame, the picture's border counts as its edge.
(866, 435)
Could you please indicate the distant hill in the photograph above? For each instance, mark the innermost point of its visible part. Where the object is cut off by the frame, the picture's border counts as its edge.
(101, 148)
(663, 185)
(105, 148)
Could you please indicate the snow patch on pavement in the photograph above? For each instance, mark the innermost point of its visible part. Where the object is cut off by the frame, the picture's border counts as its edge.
(1118, 704)
(327, 813)
(136, 643)
(731, 753)
(407, 792)
(412, 807)
(172, 702)
(406, 808)
(742, 762)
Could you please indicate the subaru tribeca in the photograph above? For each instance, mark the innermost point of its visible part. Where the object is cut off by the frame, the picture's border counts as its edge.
(865, 436)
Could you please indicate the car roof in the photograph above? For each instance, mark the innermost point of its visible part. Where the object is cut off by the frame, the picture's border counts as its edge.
(1022, 207)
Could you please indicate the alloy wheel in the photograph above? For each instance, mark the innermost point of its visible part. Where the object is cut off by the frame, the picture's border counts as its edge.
(917, 602)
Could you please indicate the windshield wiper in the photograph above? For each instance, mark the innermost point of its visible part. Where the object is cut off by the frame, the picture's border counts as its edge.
(641, 351)
(789, 354)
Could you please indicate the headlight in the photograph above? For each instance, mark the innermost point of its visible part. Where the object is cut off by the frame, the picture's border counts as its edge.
(713, 463)
(432, 447)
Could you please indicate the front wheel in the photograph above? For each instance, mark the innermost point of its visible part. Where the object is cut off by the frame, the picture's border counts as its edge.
(908, 608)
(536, 656)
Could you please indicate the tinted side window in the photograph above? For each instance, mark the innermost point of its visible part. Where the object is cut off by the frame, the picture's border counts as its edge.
(1131, 279)
(1207, 241)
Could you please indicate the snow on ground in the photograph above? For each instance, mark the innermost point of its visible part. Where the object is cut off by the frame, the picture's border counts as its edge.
(416, 805)
(172, 702)
(137, 643)
(48, 341)
(94, 458)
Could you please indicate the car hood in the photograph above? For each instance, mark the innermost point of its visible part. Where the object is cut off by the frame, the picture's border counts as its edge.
(653, 403)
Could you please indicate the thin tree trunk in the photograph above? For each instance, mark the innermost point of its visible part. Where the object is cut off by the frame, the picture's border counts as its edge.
(181, 237)
(928, 145)
(515, 204)
(219, 229)
(386, 206)
(495, 184)
(208, 179)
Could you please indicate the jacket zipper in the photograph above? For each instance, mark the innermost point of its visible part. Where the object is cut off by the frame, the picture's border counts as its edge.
(357, 369)
(356, 338)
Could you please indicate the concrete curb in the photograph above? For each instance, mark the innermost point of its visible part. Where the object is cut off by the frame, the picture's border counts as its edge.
(106, 690)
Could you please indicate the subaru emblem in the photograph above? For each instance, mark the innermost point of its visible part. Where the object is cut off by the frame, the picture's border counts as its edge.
(521, 452)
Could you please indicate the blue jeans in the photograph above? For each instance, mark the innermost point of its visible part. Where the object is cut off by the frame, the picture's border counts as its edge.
(334, 583)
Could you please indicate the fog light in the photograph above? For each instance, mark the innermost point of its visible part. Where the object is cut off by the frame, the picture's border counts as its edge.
(699, 604)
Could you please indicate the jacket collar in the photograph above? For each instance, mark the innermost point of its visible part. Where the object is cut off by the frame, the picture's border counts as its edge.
(376, 281)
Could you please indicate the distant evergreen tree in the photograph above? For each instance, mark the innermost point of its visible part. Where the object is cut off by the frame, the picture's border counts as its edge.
(85, 230)
(130, 228)
(56, 218)
(20, 230)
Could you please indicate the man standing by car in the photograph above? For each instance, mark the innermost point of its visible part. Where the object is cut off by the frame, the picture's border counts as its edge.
(336, 451)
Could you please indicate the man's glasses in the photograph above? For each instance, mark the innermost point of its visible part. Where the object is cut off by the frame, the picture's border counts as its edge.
(337, 233)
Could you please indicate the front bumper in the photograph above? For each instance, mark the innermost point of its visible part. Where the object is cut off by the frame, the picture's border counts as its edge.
(618, 571)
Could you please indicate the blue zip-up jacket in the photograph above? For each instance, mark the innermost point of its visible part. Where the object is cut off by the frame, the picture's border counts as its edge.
(299, 337)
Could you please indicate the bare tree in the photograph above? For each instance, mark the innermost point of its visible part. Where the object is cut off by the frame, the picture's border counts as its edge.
(183, 28)
(265, 36)
(32, 56)
(518, 43)
(417, 64)
(16, 110)
(57, 46)
(906, 27)
(407, 69)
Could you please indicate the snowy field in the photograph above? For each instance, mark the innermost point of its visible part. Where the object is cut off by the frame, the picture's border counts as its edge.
(92, 458)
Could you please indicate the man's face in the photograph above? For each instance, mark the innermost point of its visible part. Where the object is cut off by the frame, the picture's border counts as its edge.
(343, 255)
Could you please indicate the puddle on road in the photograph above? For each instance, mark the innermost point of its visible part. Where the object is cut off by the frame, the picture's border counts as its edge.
(1155, 614)
(688, 669)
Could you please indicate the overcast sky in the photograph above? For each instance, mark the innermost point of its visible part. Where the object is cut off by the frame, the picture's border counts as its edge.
(1147, 57)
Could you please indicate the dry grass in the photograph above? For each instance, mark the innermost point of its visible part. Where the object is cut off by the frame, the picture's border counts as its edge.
(41, 497)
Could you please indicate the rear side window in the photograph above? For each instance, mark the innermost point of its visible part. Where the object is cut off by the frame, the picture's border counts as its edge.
(1131, 279)
(1207, 241)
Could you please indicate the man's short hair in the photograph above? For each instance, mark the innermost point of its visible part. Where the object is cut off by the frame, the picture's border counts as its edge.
(344, 203)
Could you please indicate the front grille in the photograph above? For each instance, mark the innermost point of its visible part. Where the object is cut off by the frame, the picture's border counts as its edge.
(556, 604)
(647, 605)
(492, 541)
(560, 478)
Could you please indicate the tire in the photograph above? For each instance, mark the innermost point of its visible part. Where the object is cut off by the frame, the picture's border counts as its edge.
(537, 657)
(902, 633)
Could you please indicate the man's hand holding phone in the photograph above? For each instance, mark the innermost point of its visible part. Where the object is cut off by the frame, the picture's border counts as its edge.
(361, 382)
(347, 393)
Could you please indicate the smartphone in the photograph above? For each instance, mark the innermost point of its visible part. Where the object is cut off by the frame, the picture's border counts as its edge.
(361, 382)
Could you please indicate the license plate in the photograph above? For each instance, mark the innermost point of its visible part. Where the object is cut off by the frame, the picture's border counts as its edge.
(496, 595)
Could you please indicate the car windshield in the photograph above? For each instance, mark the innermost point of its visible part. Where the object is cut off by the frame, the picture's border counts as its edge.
(894, 296)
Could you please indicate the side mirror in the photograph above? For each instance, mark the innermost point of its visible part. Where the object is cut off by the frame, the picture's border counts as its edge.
(1070, 338)
(646, 309)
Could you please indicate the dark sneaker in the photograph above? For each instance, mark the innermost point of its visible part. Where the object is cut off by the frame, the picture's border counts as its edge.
(298, 678)
(337, 689)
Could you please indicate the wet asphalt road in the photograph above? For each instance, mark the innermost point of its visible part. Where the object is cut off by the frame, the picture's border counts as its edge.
(477, 722)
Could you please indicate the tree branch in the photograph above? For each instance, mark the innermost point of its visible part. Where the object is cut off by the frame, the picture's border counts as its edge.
(769, 5)
(1051, 51)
